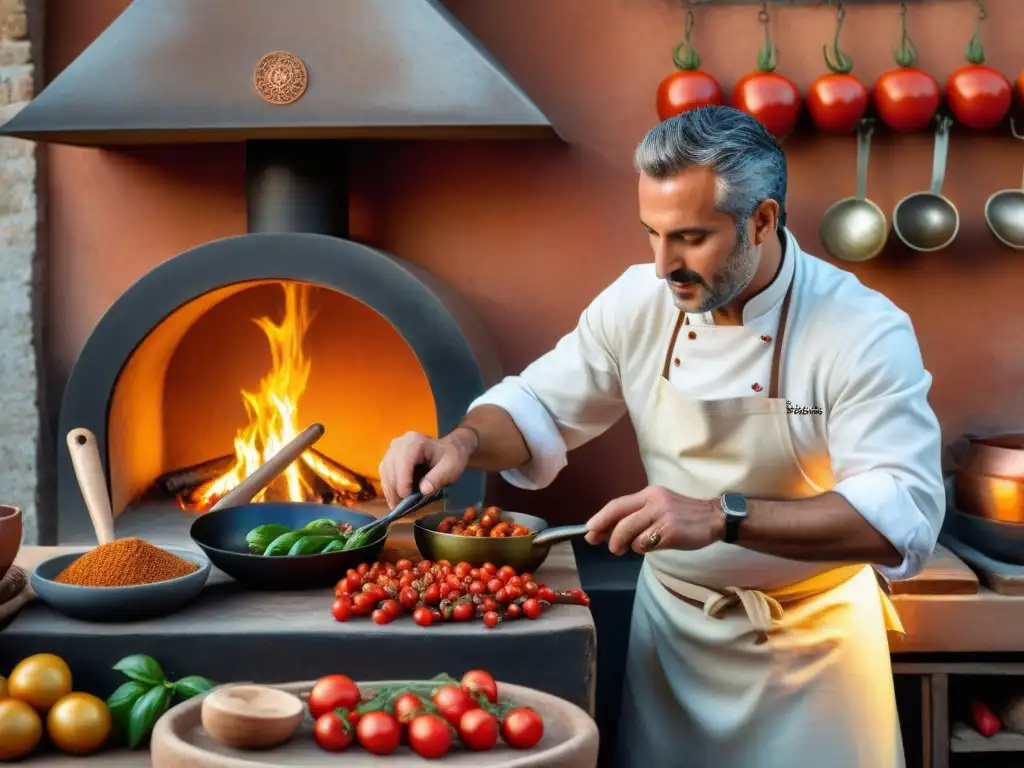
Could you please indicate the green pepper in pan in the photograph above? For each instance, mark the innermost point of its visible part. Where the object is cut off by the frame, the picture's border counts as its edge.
(283, 543)
(260, 538)
(310, 544)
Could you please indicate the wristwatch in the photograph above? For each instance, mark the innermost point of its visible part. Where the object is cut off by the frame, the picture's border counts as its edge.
(734, 510)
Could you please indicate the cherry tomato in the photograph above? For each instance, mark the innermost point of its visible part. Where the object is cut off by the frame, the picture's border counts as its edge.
(382, 617)
(333, 692)
(771, 98)
(513, 611)
(432, 594)
(478, 681)
(462, 570)
(363, 603)
(423, 616)
(463, 611)
(531, 608)
(379, 733)
(978, 96)
(403, 565)
(907, 98)
(406, 706)
(341, 609)
(546, 593)
(429, 736)
(491, 619)
(837, 101)
(522, 728)
(505, 573)
(477, 587)
(531, 589)
(331, 733)
(478, 730)
(490, 568)
(452, 703)
(408, 597)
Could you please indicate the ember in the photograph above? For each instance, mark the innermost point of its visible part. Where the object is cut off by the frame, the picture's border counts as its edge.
(273, 421)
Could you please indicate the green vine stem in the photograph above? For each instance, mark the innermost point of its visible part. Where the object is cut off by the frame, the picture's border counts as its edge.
(768, 57)
(975, 52)
(839, 62)
(684, 55)
(906, 54)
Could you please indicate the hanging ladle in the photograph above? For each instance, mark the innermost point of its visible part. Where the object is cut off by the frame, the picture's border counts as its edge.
(854, 228)
(927, 221)
(1004, 211)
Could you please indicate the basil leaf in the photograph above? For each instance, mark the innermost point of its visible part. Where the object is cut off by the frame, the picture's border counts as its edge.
(146, 711)
(123, 699)
(193, 685)
(141, 668)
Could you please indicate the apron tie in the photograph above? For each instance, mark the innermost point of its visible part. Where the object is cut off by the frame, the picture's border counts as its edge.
(762, 610)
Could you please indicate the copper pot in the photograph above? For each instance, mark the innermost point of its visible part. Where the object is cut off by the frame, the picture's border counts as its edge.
(990, 479)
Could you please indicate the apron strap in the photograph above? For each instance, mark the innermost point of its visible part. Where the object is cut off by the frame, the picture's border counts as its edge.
(672, 345)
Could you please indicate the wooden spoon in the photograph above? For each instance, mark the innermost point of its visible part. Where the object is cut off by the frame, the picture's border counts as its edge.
(275, 465)
(85, 456)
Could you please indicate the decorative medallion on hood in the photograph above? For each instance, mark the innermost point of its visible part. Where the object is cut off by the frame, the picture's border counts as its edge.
(281, 78)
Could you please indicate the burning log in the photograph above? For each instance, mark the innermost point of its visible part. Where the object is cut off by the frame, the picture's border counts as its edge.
(329, 482)
(186, 479)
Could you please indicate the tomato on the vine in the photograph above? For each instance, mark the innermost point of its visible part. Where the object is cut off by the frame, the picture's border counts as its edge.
(331, 733)
(379, 733)
(838, 100)
(522, 728)
(478, 681)
(406, 707)
(688, 87)
(769, 97)
(429, 736)
(478, 730)
(333, 692)
(978, 96)
(907, 98)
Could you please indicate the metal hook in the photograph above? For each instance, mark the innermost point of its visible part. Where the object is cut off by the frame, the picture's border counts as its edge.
(762, 15)
(982, 13)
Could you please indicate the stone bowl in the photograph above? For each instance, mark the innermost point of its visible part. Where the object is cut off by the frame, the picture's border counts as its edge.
(10, 536)
(145, 601)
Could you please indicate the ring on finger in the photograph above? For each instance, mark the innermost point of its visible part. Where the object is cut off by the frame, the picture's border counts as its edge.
(651, 541)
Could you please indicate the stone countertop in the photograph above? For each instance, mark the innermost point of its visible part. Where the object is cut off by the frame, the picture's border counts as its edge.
(234, 634)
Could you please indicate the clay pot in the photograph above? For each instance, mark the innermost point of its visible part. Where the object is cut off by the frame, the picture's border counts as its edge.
(990, 479)
(10, 536)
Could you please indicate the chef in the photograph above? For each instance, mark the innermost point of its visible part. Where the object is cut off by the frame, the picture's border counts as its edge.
(781, 410)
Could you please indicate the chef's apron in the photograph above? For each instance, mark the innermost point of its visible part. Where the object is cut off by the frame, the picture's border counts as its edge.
(739, 659)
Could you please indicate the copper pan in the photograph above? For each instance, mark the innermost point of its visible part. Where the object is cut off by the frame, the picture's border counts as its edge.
(990, 478)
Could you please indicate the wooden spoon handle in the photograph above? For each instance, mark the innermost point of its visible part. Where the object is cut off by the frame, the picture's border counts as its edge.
(276, 464)
(85, 456)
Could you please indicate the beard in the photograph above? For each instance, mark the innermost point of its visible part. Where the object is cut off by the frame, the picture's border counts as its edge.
(726, 284)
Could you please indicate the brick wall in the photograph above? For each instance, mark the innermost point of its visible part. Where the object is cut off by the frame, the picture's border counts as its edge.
(19, 379)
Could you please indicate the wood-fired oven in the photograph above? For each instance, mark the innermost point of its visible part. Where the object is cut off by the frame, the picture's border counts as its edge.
(212, 360)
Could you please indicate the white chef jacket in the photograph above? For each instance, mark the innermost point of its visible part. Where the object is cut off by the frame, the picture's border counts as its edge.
(851, 371)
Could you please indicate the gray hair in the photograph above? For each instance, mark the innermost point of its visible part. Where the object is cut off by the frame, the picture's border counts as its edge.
(749, 163)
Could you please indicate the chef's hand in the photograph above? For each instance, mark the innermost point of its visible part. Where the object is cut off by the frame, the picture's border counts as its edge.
(446, 457)
(656, 518)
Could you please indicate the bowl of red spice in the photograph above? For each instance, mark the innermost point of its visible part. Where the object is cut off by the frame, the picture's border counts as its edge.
(124, 580)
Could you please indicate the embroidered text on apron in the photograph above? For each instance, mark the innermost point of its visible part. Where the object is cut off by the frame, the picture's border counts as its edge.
(702, 689)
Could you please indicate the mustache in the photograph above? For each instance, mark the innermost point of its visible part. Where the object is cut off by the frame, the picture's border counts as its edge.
(687, 277)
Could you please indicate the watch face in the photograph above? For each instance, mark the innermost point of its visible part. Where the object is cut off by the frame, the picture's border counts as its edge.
(734, 504)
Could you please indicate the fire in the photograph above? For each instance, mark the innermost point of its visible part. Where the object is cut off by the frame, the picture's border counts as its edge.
(273, 411)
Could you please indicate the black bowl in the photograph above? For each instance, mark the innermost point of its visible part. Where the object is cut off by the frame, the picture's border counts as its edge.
(221, 535)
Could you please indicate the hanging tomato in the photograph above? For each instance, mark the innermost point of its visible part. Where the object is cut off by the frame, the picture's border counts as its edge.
(688, 87)
(907, 98)
(978, 96)
(837, 101)
(771, 98)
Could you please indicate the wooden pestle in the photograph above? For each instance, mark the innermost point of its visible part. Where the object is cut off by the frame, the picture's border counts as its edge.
(276, 464)
(85, 457)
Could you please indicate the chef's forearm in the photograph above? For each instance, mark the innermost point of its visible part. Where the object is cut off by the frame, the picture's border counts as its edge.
(496, 443)
(824, 528)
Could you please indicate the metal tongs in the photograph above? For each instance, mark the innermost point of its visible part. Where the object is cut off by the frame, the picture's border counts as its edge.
(411, 503)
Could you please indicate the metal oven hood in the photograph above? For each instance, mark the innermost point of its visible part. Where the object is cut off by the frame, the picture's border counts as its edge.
(185, 71)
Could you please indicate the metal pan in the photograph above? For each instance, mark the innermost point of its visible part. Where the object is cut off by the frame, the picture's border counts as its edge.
(221, 532)
(1001, 541)
(524, 553)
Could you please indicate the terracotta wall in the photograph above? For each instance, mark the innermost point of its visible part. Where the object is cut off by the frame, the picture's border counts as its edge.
(529, 233)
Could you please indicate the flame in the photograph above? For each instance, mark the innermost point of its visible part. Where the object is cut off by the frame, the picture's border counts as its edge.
(273, 411)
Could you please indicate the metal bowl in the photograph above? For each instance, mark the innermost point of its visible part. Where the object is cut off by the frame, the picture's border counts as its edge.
(519, 552)
(221, 534)
(144, 601)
